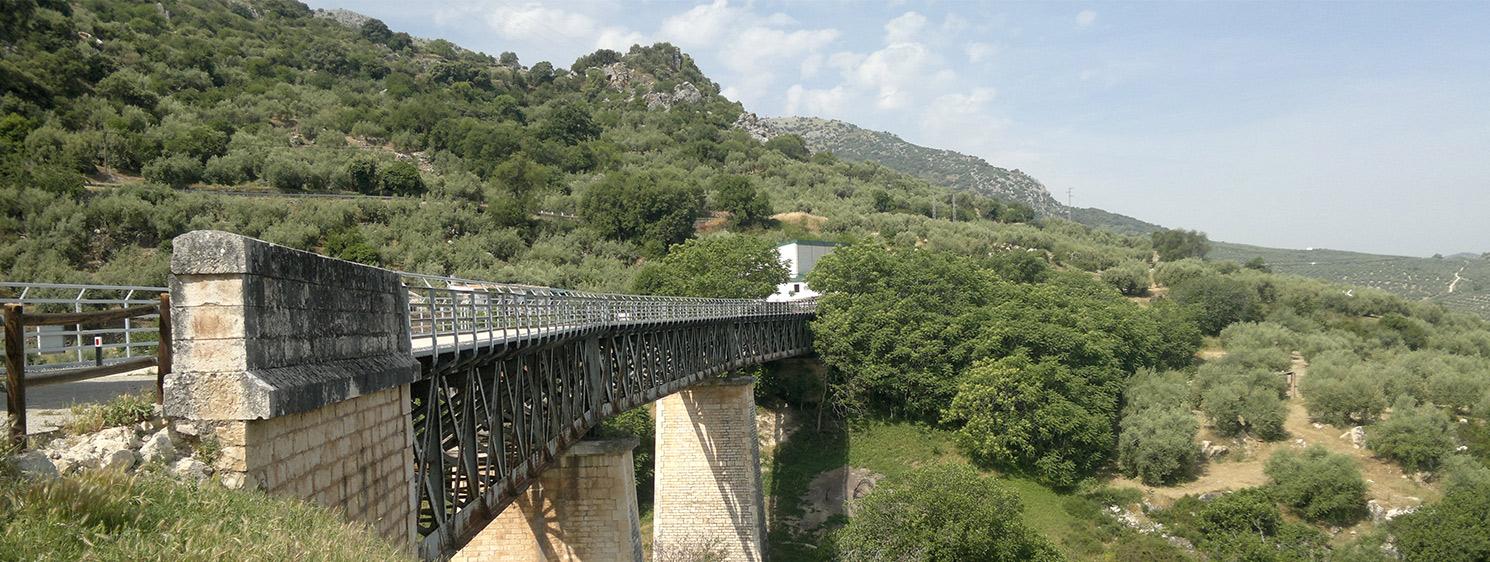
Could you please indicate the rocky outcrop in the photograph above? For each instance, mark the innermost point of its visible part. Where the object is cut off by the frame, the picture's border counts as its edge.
(683, 94)
(941, 167)
(1356, 436)
(122, 449)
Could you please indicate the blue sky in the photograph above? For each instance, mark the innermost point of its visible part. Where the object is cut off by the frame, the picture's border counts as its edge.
(1358, 126)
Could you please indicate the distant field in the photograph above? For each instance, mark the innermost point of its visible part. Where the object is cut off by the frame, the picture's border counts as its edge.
(1414, 278)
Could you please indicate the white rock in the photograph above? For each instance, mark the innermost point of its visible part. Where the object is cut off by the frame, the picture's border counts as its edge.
(158, 447)
(34, 464)
(239, 481)
(1300, 442)
(186, 428)
(121, 434)
(1462, 448)
(121, 460)
(190, 468)
(1317, 425)
(1356, 435)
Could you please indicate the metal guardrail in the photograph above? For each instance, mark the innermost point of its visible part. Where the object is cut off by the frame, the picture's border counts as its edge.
(454, 313)
(21, 315)
(54, 348)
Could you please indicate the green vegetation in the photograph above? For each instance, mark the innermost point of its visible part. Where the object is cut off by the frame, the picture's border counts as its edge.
(1176, 244)
(104, 515)
(125, 409)
(726, 265)
(1454, 528)
(1417, 435)
(1413, 278)
(1318, 484)
(1156, 439)
(942, 513)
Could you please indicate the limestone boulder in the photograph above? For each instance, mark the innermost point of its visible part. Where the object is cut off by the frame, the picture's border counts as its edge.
(191, 469)
(158, 447)
(34, 464)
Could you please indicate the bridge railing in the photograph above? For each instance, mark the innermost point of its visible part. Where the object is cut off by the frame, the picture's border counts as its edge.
(55, 348)
(450, 312)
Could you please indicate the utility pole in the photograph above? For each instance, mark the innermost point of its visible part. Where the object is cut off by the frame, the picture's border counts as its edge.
(1069, 205)
(954, 206)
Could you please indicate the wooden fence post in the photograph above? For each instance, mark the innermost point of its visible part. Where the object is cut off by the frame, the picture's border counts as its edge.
(163, 349)
(15, 373)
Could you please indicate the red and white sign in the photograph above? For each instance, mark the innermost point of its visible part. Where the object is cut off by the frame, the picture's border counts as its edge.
(97, 341)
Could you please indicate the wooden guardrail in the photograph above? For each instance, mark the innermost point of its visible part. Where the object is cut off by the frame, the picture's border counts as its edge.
(16, 320)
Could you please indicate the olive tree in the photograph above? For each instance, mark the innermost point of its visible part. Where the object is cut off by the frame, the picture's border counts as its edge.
(1320, 485)
(1417, 436)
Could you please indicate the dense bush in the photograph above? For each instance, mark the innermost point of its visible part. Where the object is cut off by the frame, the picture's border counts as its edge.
(1130, 279)
(650, 210)
(1156, 437)
(1417, 436)
(727, 266)
(1454, 528)
(176, 171)
(1318, 484)
(1341, 390)
(1180, 244)
(1239, 400)
(1041, 417)
(1219, 301)
(943, 513)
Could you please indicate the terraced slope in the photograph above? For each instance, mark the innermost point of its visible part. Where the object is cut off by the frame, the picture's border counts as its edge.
(1416, 278)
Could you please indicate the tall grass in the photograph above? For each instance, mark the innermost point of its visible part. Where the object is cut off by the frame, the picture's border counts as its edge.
(102, 515)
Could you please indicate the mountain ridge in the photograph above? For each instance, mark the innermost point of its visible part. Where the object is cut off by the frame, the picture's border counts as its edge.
(940, 166)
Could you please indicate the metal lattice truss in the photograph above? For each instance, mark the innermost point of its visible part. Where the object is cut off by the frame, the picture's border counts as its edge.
(513, 375)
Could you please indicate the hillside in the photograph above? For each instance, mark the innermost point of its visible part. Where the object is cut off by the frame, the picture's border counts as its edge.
(1458, 282)
(940, 167)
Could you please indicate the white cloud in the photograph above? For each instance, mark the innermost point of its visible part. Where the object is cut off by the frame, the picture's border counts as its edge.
(535, 21)
(753, 48)
(1086, 18)
(896, 72)
(619, 39)
(978, 52)
(904, 29)
(820, 102)
(954, 23)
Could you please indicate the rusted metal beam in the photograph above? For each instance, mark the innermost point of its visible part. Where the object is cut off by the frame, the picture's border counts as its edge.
(15, 373)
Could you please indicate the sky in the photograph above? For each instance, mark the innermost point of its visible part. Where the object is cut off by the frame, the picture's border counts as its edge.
(1357, 126)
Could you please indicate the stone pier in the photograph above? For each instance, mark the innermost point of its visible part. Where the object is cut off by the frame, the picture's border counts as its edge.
(299, 365)
(582, 508)
(708, 483)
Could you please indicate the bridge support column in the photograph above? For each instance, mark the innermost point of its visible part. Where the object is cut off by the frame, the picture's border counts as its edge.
(708, 481)
(582, 508)
(300, 366)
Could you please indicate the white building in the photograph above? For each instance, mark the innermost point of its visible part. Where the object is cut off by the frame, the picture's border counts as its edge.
(800, 257)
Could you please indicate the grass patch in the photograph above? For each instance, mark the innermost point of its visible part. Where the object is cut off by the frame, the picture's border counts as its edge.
(126, 409)
(102, 515)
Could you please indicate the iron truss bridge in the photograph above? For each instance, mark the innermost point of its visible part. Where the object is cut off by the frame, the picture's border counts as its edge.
(513, 374)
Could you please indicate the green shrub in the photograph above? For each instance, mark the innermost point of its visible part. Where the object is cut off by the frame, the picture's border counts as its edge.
(947, 513)
(287, 173)
(1156, 437)
(1235, 407)
(1319, 485)
(1173, 273)
(125, 409)
(1041, 417)
(1453, 529)
(1158, 445)
(176, 171)
(1416, 436)
(1219, 301)
(1247, 511)
(1131, 279)
(401, 178)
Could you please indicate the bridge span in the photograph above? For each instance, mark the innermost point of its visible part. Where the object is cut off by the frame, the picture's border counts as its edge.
(446, 412)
